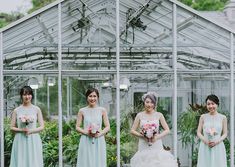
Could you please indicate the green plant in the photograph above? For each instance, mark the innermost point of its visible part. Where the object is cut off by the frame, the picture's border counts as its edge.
(50, 153)
(70, 147)
(50, 143)
(188, 122)
(8, 136)
(71, 140)
(206, 5)
(111, 155)
(128, 150)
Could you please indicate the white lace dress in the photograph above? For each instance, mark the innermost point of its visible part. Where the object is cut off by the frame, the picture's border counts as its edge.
(154, 155)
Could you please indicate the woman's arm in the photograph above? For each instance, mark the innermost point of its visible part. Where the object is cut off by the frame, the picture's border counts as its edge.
(224, 130)
(13, 123)
(135, 126)
(165, 127)
(106, 124)
(199, 131)
(79, 122)
(40, 121)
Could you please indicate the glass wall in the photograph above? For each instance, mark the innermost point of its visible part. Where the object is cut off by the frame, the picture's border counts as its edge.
(67, 48)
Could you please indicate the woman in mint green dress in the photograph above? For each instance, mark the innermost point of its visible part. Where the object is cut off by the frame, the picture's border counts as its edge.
(212, 130)
(27, 144)
(92, 146)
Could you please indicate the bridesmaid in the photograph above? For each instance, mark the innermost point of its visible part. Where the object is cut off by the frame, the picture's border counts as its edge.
(27, 144)
(212, 130)
(92, 146)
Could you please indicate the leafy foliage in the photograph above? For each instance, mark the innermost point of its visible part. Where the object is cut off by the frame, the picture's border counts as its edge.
(188, 122)
(205, 5)
(8, 136)
(6, 19)
(37, 4)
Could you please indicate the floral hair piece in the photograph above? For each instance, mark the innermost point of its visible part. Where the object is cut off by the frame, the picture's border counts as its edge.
(151, 95)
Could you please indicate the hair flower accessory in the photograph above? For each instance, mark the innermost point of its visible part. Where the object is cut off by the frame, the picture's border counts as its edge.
(149, 94)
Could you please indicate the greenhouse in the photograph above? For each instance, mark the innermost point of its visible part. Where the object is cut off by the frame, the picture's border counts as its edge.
(124, 48)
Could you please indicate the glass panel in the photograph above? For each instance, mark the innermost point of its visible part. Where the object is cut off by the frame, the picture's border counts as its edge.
(145, 35)
(131, 104)
(32, 44)
(193, 90)
(88, 37)
(201, 44)
(45, 97)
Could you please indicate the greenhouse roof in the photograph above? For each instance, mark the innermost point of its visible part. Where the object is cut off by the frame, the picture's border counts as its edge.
(89, 43)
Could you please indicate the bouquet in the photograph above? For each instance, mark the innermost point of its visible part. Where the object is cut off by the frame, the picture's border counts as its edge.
(211, 133)
(93, 129)
(149, 130)
(26, 119)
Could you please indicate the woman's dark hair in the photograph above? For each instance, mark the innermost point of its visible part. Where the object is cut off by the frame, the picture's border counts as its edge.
(26, 90)
(90, 90)
(152, 96)
(213, 98)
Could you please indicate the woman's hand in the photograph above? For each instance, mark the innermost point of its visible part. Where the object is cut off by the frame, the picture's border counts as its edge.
(96, 135)
(154, 139)
(141, 135)
(213, 143)
(26, 131)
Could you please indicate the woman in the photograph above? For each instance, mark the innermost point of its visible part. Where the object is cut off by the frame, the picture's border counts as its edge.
(92, 146)
(27, 144)
(212, 130)
(150, 150)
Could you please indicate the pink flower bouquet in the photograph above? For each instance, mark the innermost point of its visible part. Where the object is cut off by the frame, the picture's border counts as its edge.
(93, 129)
(149, 130)
(26, 119)
(211, 133)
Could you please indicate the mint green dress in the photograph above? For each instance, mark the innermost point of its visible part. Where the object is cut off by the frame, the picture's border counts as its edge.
(26, 150)
(92, 151)
(215, 156)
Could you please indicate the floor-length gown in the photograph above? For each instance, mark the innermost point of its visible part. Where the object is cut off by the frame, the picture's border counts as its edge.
(92, 151)
(26, 150)
(215, 156)
(154, 155)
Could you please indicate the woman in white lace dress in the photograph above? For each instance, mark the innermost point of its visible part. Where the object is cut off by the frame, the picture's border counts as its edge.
(150, 149)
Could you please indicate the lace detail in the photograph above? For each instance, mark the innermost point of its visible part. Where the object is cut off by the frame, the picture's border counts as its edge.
(147, 119)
